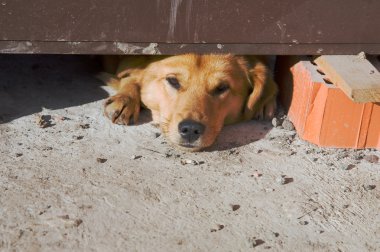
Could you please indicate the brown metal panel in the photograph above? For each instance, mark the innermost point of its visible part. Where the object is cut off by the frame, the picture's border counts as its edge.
(270, 23)
(192, 21)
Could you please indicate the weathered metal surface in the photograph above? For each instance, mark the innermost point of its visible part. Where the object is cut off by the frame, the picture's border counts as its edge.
(22, 47)
(266, 27)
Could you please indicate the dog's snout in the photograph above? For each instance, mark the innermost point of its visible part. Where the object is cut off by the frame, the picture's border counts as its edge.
(190, 130)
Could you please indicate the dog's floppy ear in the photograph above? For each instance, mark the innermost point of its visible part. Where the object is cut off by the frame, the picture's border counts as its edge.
(261, 102)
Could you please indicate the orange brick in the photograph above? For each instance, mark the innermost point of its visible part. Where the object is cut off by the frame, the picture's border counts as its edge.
(324, 115)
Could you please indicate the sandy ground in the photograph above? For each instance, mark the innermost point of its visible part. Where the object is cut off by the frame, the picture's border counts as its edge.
(83, 184)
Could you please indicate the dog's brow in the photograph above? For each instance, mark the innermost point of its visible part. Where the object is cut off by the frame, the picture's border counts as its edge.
(177, 71)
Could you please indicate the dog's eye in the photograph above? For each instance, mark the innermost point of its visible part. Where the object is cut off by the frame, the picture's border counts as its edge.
(173, 81)
(221, 88)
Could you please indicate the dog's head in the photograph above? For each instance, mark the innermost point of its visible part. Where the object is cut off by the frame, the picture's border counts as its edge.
(193, 96)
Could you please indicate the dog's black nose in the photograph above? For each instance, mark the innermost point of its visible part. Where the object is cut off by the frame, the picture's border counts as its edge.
(190, 130)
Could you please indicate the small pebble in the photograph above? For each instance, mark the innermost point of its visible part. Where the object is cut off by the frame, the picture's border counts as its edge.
(256, 174)
(64, 217)
(235, 207)
(189, 161)
(288, 125)
(276, 234)
(77, 222)
(256, 242)
(341, 155)
(258, 151)
(276, 122)
(346, 189)
(348, 167)
(156, 134)
(369, 187)
(307, 152)
(44, 121)
(373, 159)
(281, 180)
(18, 154)
(220, 227)
(85, 126)
(134, 157)
(357, 156)
(101, 160)
(304, 223)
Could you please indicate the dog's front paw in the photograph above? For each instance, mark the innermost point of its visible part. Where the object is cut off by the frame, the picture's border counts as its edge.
(266, 111)
(122, 109)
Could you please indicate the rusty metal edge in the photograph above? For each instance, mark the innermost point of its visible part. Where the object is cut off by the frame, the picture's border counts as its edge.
(101, 48)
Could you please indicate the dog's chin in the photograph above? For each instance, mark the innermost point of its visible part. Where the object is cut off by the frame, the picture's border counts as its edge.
(198, 145)
(193, 147)
(188, 147)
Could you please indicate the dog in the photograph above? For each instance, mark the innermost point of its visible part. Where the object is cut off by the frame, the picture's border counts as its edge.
(190, 96)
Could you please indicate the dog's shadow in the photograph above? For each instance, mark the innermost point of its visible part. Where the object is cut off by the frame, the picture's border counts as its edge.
(29, 83)
(240, 134)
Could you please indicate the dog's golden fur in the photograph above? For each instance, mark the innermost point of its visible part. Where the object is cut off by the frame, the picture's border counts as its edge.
(211, 90)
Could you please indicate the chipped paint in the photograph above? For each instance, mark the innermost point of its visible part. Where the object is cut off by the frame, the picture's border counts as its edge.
(128, 48)
(189, 7)
(18, 47)
(151, 49)
(282, 28)
(100, 48)
(74, 43)
(295, 41)
(173, 17)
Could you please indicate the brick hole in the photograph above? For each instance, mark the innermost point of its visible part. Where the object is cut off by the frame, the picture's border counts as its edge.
(328, 81)
(320, 72)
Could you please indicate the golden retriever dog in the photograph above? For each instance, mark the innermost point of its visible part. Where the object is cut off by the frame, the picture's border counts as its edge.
(190, 96)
